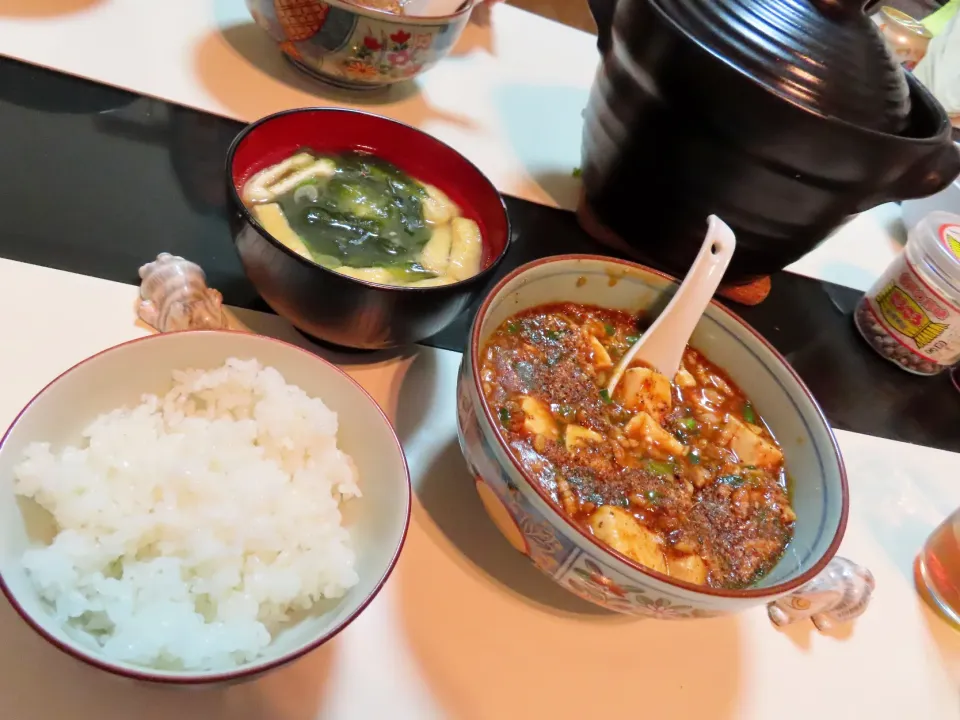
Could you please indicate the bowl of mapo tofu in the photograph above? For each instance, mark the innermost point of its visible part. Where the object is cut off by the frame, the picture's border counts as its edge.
(692, 496)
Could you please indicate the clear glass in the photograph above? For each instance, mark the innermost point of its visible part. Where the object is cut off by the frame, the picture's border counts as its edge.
(938, 569)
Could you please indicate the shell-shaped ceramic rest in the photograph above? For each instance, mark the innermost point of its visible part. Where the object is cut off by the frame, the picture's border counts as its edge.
(838, 594)
(174, 296)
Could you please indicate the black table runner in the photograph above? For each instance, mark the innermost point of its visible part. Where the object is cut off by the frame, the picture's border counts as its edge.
(97, 181)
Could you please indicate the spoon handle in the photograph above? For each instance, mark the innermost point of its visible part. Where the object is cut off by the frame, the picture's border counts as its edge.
(661, 347)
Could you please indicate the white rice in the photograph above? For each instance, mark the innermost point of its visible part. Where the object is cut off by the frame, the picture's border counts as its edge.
(192, 526)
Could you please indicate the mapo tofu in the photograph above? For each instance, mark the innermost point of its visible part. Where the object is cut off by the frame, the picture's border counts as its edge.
(678, 474)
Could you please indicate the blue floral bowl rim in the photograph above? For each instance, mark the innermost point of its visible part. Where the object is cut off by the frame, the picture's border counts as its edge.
(744, 593)
(465, 8)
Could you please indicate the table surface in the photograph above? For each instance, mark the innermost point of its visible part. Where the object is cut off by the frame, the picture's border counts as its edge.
(98, 180)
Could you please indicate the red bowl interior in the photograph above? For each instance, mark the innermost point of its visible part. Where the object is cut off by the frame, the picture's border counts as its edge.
(331, 130)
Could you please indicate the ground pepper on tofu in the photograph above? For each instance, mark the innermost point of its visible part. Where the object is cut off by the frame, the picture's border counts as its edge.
(681, 475)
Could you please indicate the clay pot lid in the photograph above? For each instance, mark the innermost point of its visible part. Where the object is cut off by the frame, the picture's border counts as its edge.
(825, 55)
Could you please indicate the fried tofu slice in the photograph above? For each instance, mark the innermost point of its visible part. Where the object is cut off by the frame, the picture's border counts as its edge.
(752, 448)
(575, 436)
(537, 418)
(273, 220)
(601, 358)
(624, 533)
(646, 390)
(690, 568)
(371, 274)
(435, 255)
(651, 434)
(438, 209)
(466, 250)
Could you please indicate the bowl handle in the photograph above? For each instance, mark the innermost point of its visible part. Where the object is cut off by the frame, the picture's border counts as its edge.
(603, 12)
(929, 175)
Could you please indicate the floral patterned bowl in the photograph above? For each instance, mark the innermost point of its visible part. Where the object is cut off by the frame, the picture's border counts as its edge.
(356, 47)
(531, 520)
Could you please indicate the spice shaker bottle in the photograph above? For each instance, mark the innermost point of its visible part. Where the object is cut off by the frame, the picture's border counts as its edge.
(911, 315)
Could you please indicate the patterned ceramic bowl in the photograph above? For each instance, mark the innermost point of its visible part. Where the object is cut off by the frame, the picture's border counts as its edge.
(531, 520)
(355, 47)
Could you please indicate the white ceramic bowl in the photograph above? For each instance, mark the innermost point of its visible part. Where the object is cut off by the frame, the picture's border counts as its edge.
(119, 376)
(574, 558)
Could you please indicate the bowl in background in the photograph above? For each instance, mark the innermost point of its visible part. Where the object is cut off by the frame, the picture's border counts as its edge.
(119, 376)
(326, 304)
(355, 47)
(571, 556)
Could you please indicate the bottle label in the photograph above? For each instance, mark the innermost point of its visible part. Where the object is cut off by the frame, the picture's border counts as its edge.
(916, 315)
(950, 238)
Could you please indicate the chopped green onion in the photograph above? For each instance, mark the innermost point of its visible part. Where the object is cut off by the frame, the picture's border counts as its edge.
(631, 339)
(731, 480)
(748, 414)
(605, 396)
(661, 468)
(553, 334)
(654, 497)
(689, 423)
(693, 457)
(513, 328)
(609, 329)
(504, 414)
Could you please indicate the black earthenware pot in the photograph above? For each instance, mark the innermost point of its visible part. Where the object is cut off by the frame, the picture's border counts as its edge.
(783, 117)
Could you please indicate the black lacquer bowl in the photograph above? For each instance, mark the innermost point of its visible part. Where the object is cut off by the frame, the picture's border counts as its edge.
(333, 307)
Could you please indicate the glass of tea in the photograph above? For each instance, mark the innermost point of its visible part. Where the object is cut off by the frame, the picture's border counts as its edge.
(937, 569)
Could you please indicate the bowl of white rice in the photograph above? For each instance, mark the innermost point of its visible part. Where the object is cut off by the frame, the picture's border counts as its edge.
(199, 506)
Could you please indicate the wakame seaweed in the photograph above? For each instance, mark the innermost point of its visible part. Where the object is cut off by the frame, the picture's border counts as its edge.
(368, 214)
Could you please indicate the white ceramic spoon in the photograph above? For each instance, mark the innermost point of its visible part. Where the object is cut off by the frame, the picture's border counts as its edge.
(661, 346)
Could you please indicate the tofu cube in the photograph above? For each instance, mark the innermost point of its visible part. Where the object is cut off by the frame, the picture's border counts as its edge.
(650, 433)
(752, 449)
(684, 379)
(688, 567)
(646, 390)
(601, 358)
(624, 533)
(537, 418)
(575, 436)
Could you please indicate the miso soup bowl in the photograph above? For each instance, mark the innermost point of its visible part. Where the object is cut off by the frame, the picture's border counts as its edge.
(118, 377)
(572, 557)
(323, 303)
